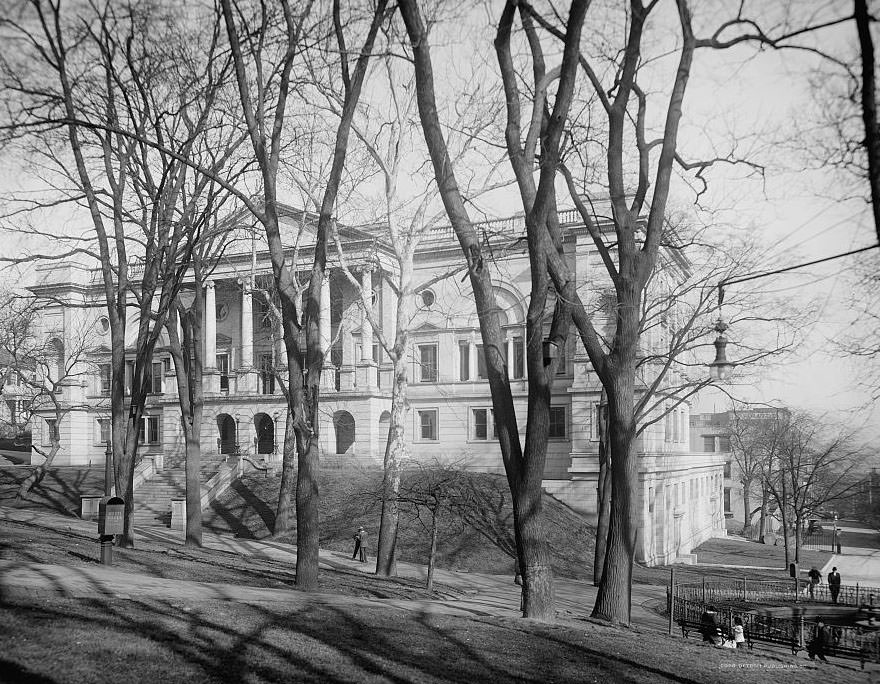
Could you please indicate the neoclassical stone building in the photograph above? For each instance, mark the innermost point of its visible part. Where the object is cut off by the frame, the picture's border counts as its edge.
(450, 413)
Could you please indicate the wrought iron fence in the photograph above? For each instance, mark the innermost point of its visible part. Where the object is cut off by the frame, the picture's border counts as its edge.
(733, 598)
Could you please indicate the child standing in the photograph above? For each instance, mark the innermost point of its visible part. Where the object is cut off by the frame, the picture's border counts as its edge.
(739, 633)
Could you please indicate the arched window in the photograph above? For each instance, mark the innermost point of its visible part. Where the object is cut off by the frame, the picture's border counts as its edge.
(343, 423)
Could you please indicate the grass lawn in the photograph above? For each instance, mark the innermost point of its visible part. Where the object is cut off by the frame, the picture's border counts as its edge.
(32, 543)
(53, 639)
(742, 552)
(148, 638)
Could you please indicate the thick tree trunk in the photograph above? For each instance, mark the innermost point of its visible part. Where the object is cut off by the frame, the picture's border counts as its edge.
(538, 601)
(395, 451)
(534, 552)
(604, 494)
(284, 511)
(307, 523)
(613, 599)
(125, 475)
(747, 510)
(869, 107)
(193, 479)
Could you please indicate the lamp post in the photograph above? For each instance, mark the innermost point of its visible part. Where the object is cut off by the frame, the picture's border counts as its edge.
(108, 470)
(720, 368)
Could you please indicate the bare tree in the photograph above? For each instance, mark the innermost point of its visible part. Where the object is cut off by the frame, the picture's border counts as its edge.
(805, 465)
(127, 93)
(264, 86)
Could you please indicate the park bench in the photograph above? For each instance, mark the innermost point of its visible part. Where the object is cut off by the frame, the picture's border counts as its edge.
(688, 626)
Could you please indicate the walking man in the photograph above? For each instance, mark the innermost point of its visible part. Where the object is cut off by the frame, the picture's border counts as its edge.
(360, 545)
(834, 584)
(819, 642)
(815, 578)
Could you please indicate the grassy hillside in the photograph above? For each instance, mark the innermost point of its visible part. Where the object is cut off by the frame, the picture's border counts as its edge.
(350, 498)
(59, 491)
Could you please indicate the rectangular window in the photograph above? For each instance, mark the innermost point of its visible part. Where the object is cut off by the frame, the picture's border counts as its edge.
(727, 469)
(427, 363)
(156, 378)
(519, 358)
(267, 374)
(481, 423)
(428, 424)
(105, 377)
(727, 499)
(481, 363)
(464, 361)
(724, 443)
(557, 422)
(562, 368)
(149, 430)
(223, 370)
(103, 431)
(708, 444)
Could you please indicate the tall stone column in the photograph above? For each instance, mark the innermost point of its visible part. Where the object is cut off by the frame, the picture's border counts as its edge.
(366, 325)
(324, 321)
(472, 357)
(247, 376)
(247, 326)
(328, 374)
(367, 372)
(210, 326)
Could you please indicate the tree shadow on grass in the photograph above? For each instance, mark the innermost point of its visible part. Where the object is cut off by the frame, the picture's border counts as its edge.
(307, 641)
(234, 516)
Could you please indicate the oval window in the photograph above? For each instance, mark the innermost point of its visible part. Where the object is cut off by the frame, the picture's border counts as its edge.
(428, 299)
(103, 324)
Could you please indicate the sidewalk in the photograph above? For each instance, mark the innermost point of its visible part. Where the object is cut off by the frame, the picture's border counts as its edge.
(482, 594)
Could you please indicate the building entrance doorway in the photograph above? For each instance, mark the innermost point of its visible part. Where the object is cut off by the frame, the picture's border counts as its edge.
(228, 440)
(265, 428)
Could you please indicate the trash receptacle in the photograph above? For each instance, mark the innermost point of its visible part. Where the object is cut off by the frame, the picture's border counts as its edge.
(111, 516)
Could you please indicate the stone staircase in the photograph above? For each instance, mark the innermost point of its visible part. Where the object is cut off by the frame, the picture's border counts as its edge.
(152, 499)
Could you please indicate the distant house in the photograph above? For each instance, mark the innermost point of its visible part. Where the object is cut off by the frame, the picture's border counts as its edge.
(710, 433)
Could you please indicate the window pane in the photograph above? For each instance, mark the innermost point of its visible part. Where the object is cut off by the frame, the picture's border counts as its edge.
(708, 444)
(518, 358)
(157, 378)
(557, 422)
(464, 362)
(428, 361)
(428, 423)
(154, 430)
(561, 369)
(105, 377)
(481, 426)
